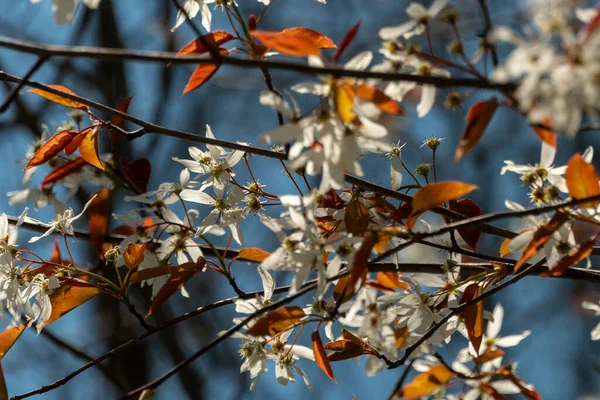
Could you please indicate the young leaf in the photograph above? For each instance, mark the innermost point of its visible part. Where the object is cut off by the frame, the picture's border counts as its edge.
(74, 144)
(253, 254)
(63, 101)
(546, 135)
(138, 173)
(69, 297)
(322, 41)
(344, 102)
(134, 255)
(9, 337)
(356, 218)
(118, 122)
(320, 355)
(290, 44)
(3, 388)
(88, 148)
(575, 255)
(151, 273)
(51, 148)
(582, 180)
(99, 212)
(540, 237)
(478, 118)
(277, 321)
(348, 38)
(64, 170)
(177, 279)
(434, 195)
(199, 46)
(390, 280)
(379, 99)
(489, 355)
(200, 76)
(426, 383)
(474, 315)
(469, 208)
(358, 270)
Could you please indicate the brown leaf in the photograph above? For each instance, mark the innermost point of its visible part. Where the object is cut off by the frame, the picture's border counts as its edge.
(69, 297)
(58, 98)
(134, 255)
(177, 279)
(253, 254)
(356, 218)
(540, 237)
(469, 208)
(359, 267)
(9, 337)
(150, 273)
(64, 170)
(99, 212)
(51, 148)
(277, 321)
(582, 180)
(575, 255)
(474, 315)
(138, 173)
(426, 383)
(435, 195)
(478, 118)
(321, 356)
(3, 388)
(379, 99)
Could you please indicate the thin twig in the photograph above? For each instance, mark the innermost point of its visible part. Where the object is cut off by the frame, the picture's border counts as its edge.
(15, 90)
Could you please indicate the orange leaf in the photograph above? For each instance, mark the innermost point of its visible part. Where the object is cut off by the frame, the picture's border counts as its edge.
(74, 144)
(391, 281)
(134, 255)
(58, 98)
(9, 337)
(99, 212)
(478, 118)
(356, 218)
(51, 148)
(489, 355)
(200, 76)
(540, 237)
(469, 208)
(177, 279)
(291, 44)
(64, 170)
(359, 268)
(401, 334)
(582, 180)
(69, 297)
(575, 255)
(504, 247)
(253, 254)
(546, 135)
(474, 315)
(322, 41)
(344, 101)
(199, 46)
(150, 273)
(321, 356)
(277, 321)
(88, 148)
(379, 99)
(435, 195)
(426, 383)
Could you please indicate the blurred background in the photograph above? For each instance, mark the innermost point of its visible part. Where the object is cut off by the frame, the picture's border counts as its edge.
(558, 358)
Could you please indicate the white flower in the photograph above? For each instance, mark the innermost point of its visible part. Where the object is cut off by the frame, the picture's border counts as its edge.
(40, 290)
(191, 8)
(64, 9)
(63, 223)
(596, 309)
(8, 233)
(420, 17)
(395, 166)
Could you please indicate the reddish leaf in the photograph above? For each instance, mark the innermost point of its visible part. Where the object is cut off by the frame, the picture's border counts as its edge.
(177, 279)
(214, 40)
(545, 135)
(69, 297)
(151, 273)
(200, 76)
(138, 173)
(426, 383)
(509, 374)
(469, 208)
(9, 337)
(253, 254)
(74, 144)
(488, 356)
(582, 180)
(540, 237)
(88, 148)
(575, 255)
(99, 213)
(51, 148)
(64, 170)
(291, 44)
(358, 270)
(435, 195)
(3, 388)
(118, 121)
(348, 38)
(474, 315)
(277, 321)
(321, 356)
(489, 390)
(58, 98)
(134, 255)
(379, 99)
(356, 218)
(478, 118)
(592, 26)
(322, 41)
